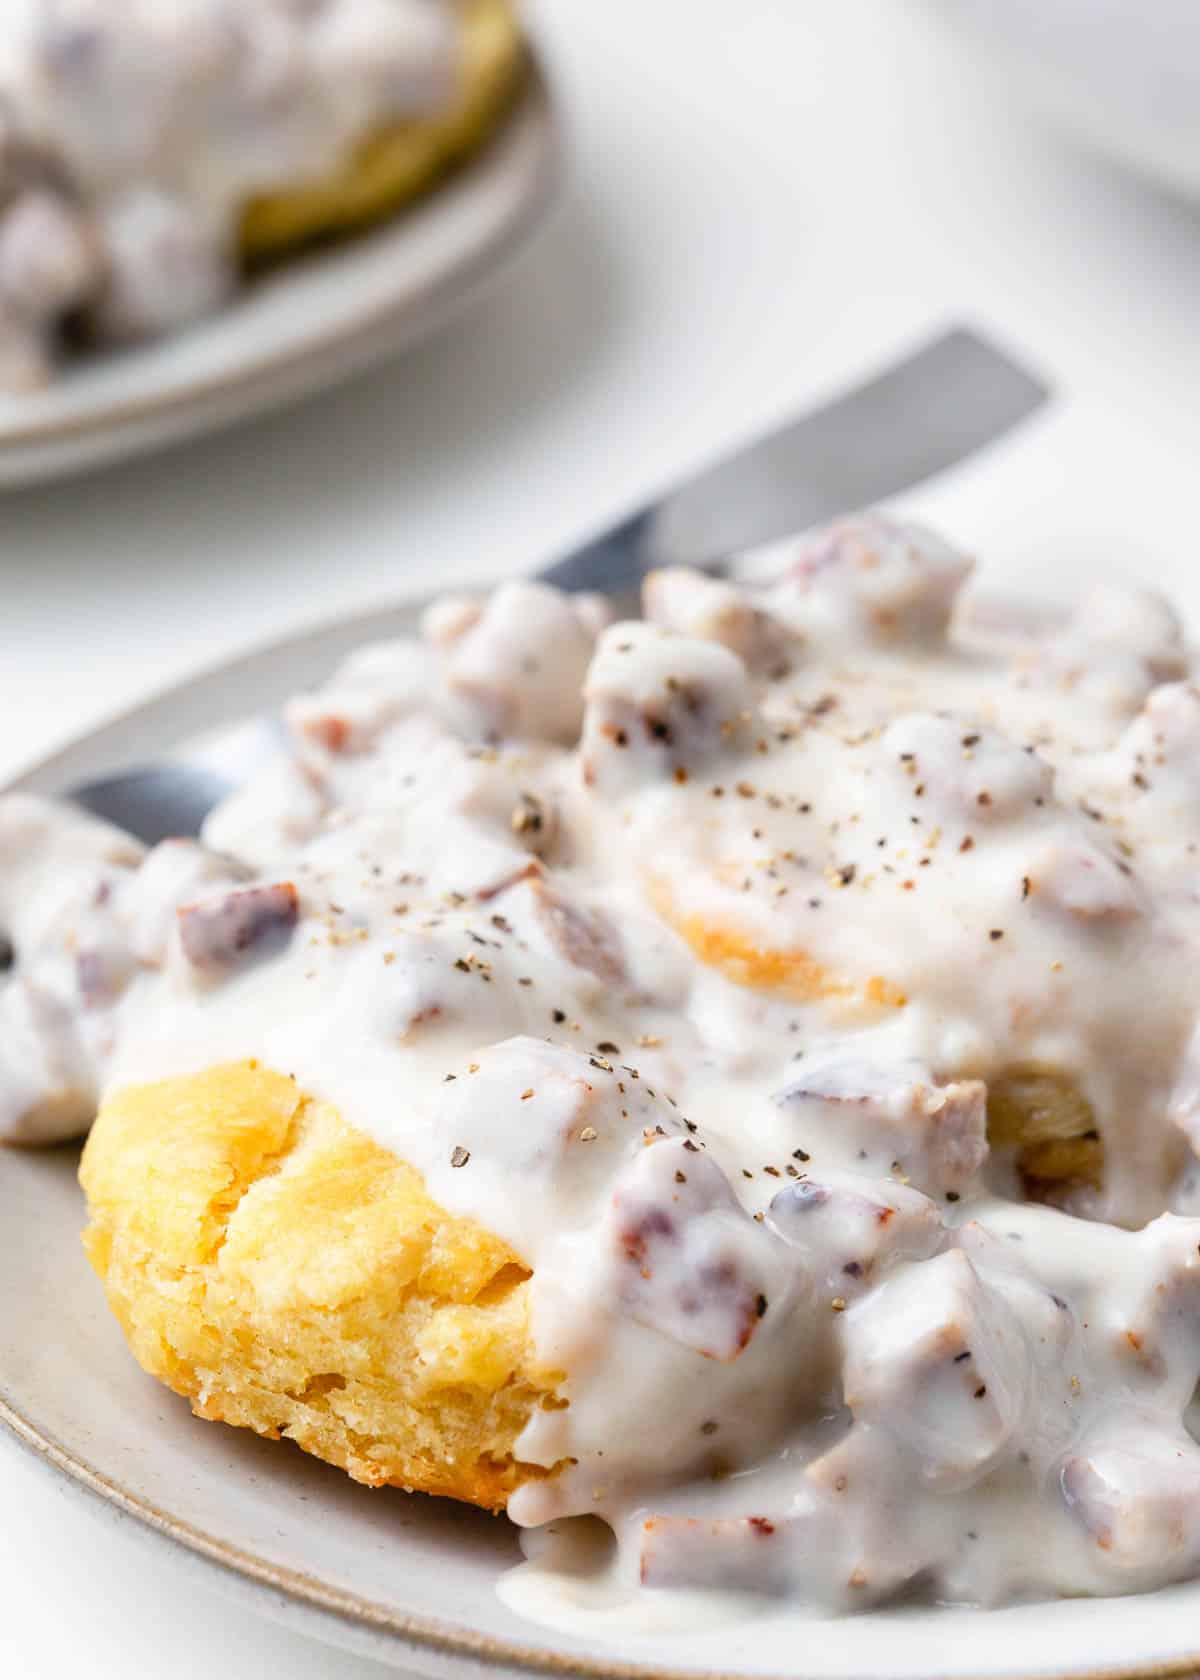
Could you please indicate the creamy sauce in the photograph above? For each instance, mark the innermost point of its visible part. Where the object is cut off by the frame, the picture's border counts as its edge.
(805, 989)
(134, 132)
(571, 1578)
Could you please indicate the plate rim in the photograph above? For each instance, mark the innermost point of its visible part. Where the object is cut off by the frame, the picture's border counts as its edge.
(355, 1615)
(534, 110)
(350, 1613)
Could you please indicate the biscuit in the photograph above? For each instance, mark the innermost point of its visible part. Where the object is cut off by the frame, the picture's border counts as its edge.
(397, 162)
(1046, 1119)
(289, 1275)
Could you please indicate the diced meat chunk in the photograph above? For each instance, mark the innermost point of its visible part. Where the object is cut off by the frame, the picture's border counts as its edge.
(54, 858)
(49, 261)
(475, 821)
(218, 934)
(375, 688)
(661, 707)
(449, 618)
(560, 1120)
(1118, 643)
(934, 1136)
(102, 971)
(1082, 881)
(937, 1358)
(821, 1543)
(868, 576)
(578, 935)
(1050, 1322)
(478, 821)
(516, 669)
(66, 885)
(1133, 1485)
(851, 1231)
(172, 873)
(748, 1554)
(47, 1092)
(1155, 767)
(165, 265)
(1135, 620)
(690, 1263)
(1184, 1107)
(66, 881)
(26, 363)
(594, 611)
(1166, 732)
(414, 73)
(279, 808)
(691, 604)
(49, 264)
(969, 776)
(1155, 1320)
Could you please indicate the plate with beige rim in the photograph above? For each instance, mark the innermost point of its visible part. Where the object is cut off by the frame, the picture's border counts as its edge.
(410, 1580)
(316, 319)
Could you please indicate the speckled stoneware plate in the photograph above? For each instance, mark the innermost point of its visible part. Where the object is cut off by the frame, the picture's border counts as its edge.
(317, 319)
(409, 1580)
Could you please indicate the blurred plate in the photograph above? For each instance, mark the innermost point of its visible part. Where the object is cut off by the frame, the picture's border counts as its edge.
(317, 319)
(1121, 76)
(408, 1580)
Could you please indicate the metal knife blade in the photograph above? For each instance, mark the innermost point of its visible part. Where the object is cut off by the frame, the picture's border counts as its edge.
(925, 413)
(940, 404)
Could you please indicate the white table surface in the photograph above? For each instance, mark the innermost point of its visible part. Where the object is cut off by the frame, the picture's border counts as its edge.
(768, 196)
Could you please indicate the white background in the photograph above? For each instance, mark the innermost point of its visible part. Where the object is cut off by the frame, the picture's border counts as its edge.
(767, 197)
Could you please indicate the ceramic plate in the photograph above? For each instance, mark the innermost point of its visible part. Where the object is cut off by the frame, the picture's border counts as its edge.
(407, 1579)
(314, 321)
(1126, 91)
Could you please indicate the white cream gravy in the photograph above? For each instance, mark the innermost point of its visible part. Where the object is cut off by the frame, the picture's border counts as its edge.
(681, 953)
(134, 132)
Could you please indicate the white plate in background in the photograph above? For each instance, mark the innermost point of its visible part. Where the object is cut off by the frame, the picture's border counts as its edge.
(318, 318)
(1123, 76)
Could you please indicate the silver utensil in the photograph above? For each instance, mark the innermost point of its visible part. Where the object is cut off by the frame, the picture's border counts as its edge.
(942, 403)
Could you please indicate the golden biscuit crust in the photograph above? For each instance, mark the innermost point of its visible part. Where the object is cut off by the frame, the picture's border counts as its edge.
(399, 161)
(1046, 1119)
(289, 1275)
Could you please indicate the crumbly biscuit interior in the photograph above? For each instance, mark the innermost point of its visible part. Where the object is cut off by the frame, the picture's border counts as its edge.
(287, 1274)
(1041, 1114)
